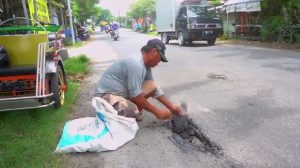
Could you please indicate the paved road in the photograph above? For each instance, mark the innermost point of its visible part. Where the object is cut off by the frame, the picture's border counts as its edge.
(253, 114)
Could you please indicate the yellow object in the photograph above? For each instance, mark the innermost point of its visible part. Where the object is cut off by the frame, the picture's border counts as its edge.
(22, 49)
(151, 27)
(103, 23)
(41, 9)
(53, 2)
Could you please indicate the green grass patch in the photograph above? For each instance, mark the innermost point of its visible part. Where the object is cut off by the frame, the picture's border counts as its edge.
(77, 44)
(77, 65)
(28, 138)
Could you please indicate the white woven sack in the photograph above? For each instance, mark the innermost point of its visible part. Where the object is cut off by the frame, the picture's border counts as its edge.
(106, 131)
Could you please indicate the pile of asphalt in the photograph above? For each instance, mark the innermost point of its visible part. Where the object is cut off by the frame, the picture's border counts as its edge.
(189, 137)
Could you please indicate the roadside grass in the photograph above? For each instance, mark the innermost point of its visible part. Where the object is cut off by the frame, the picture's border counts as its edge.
(77, 65)
(76, 45)
(28, 138)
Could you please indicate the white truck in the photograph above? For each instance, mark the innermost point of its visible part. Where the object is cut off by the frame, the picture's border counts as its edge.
(187, 21)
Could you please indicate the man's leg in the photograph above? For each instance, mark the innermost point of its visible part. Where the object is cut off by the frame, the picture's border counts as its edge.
(126, 107)
(123, 106)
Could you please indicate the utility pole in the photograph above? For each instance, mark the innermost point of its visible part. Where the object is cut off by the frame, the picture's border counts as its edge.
(25, 9)
(71, 22)
(35, 16)
(119, 18)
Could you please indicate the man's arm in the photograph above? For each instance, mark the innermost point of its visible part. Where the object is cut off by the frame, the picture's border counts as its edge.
(142, 102)
(172, 107)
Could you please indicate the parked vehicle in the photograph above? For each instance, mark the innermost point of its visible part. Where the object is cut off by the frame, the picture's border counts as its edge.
(32, 73)
(83, 33)
(187, 21)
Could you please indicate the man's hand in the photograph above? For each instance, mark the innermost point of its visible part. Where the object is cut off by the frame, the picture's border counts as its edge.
(175, 109)
(163, 114)
(142, 103)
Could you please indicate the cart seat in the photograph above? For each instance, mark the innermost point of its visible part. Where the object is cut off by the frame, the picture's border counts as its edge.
(17, 70)
(22, 50)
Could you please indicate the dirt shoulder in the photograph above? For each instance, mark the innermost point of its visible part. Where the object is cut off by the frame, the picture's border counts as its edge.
(275, 45)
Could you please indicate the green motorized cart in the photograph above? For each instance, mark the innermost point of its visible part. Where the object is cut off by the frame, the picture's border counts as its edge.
(32, 74)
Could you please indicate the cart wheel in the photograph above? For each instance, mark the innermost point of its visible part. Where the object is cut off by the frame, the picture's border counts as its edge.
(58, 86)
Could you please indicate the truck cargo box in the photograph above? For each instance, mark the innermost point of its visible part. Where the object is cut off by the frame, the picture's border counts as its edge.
(166, 11)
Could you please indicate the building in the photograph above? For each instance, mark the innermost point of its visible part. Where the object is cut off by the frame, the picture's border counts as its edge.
(44, 11)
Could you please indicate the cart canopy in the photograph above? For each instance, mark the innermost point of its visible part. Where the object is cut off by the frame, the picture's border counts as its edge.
(48, 28)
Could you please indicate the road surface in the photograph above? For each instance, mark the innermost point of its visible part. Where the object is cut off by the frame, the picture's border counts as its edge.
(253, 114)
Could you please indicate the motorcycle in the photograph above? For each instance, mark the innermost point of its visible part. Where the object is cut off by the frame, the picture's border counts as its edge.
(83, 34)
(107, 29)
(115, 35)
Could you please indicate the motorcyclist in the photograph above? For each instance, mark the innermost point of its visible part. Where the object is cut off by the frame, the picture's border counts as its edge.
(114, 27)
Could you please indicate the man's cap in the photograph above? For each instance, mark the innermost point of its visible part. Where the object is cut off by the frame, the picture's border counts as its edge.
(156, 43)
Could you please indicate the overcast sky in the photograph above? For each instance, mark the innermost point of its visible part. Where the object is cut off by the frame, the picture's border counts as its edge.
(116, 6)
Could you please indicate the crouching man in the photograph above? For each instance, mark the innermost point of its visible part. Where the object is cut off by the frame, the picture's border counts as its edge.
(128, 83)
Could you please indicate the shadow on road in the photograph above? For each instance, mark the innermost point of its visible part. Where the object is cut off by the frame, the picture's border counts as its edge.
(191, 45)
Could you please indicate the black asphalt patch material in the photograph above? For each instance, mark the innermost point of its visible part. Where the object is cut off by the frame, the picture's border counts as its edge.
(190, 137)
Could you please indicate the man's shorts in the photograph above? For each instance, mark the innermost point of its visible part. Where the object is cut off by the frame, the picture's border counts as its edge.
(126, 107)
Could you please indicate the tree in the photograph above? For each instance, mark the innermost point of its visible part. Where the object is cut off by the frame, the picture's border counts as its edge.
(84, 9)
(215, 2)
(287, 9)
(276, 14)
(104, 15)
(141, 8)
(293, 10)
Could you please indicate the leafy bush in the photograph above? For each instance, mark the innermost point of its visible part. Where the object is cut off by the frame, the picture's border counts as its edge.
(297, 37)
(225, 36)
(84, 59)
(77, 65)
(271, 27)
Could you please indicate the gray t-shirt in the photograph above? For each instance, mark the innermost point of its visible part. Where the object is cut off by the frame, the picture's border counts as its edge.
(125, 78)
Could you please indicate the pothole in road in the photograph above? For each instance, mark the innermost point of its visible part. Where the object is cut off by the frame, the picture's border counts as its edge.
(188, 137)
(216, 76)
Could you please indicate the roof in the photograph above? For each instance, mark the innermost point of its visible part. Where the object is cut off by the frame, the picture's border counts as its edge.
(231, 2)
(194, 2)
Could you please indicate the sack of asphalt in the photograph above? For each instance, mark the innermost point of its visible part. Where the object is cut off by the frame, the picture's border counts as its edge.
(106, 131)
